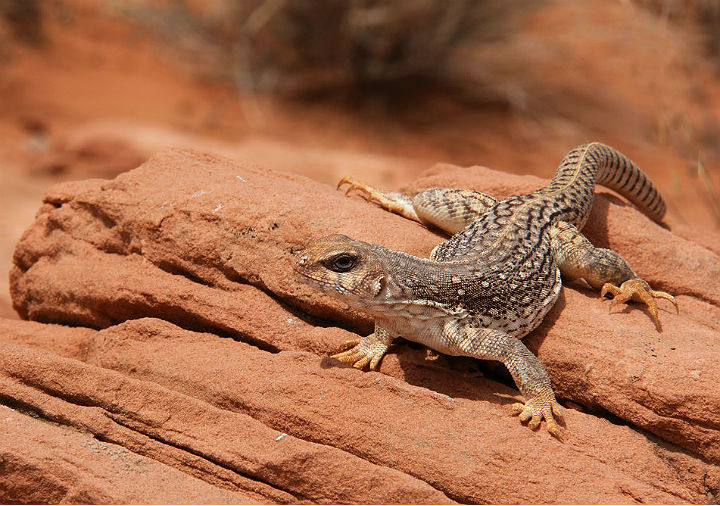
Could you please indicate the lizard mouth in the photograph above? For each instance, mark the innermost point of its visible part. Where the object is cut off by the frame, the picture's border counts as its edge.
(326, 286)
(306, 278)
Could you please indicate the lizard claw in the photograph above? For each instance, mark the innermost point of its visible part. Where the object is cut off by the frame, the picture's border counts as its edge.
(362, 352)
(390, 201)
(367, 191)
(638, 290)
(541, 406)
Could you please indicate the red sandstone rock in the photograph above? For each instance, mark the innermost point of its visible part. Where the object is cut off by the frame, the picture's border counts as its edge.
(45, 463)
(222, 447)
(207, 245)
(161, 391)
(89, 157)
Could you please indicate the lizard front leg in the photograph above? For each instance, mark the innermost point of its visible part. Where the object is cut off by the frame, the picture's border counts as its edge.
(395, 202)
(603, 269)
(528, 372)
(449, 209)
(367, 350)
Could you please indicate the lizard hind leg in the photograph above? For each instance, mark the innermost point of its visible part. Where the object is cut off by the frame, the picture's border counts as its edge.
(603, 269)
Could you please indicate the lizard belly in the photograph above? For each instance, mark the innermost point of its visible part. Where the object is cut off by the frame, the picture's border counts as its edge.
(516, 315)
(429, 332)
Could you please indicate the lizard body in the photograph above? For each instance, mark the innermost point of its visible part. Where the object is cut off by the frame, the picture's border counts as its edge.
(496, 278)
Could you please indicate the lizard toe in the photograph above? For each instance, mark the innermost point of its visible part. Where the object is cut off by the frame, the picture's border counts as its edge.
(534, 422)
(354, 185)
(362, 352)
(347, 357)
(361, 362)
(558, 411)
(555, 430)
(538, 407)
(347, 345)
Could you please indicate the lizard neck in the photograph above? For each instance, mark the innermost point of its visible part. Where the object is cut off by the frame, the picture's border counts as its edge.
(416, 287)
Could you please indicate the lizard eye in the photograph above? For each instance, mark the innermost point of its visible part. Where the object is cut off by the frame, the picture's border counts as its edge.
(342, 263)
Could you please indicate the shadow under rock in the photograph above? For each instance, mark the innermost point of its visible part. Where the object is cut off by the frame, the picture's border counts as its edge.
(457, 377)
(535, 338)
(596, 227)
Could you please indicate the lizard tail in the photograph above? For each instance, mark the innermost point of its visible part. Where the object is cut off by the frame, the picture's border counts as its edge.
(593, 163)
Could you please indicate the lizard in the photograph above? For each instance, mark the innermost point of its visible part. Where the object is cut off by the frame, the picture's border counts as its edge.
(495, 279)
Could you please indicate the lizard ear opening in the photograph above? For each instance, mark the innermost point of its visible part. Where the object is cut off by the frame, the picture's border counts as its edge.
(342, 262)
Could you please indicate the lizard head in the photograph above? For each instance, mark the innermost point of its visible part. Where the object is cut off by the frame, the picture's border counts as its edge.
(342, 267)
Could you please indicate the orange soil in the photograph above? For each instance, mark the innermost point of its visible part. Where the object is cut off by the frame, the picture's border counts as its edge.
(100, 95)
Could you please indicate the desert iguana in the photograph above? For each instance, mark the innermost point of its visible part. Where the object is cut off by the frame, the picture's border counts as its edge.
(494, 280)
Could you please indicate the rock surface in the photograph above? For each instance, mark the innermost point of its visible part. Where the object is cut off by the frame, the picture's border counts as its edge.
(195, 349)
(43, 463)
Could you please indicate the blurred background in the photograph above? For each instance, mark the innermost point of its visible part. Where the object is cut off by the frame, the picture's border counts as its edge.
(380, 89)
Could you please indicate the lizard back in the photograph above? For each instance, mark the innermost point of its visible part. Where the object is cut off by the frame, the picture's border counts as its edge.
(514, 228)
(508, 249)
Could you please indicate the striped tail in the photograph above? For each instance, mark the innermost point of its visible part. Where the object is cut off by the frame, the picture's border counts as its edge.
(586, 165)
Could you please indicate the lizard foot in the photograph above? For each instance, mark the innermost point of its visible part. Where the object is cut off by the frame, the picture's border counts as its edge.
(393, 202)
(362, 352)
(543, 405)
(638, 290)
(368, 191)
